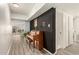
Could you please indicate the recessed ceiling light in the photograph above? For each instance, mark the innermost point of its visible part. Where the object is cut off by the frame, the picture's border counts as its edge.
(15, 5)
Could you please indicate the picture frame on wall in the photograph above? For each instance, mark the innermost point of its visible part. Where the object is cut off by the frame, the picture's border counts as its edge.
(35, 23)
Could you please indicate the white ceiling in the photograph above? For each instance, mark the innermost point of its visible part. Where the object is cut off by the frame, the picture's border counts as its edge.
(23, 9)
(27, 8)
(72, 8)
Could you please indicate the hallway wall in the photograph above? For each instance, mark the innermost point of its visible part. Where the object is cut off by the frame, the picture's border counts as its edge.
(18, 16)
(76, 29)
(5, 29)
(59, 28)
(64, 28)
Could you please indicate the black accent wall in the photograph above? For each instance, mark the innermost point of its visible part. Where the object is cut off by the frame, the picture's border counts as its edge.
(32, 25)
(46, 23)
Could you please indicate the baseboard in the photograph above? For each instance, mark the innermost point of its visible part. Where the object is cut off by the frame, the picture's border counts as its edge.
(9, 49)
(48, 51)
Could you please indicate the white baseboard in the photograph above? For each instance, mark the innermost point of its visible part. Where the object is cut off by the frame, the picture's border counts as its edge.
(48, 51)
(9, 48)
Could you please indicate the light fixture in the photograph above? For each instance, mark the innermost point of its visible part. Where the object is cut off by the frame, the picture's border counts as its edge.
(15, 5)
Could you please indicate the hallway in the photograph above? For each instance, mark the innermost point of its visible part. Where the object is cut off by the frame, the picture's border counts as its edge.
(21, 47)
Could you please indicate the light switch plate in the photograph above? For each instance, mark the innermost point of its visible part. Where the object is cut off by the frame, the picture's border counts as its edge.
(49, 25)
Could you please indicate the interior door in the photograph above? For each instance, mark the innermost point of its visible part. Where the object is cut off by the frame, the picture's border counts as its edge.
(70, 30)
(65, 30)
(76, 29)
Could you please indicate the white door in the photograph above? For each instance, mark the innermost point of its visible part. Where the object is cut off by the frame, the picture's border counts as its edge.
(70, 30)
(67, 30)
(76, 29)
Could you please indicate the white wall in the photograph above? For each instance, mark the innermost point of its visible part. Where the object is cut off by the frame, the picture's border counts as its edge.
(76, 29)
(64, 29)
(5, 29)
(59, 28)
(18, 16)
(21, 24)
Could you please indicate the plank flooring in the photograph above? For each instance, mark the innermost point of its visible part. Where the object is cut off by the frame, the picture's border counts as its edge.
(70, 50)
(21, 47)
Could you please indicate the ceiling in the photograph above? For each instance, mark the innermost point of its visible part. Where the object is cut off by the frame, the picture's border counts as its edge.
(32, 10)
(23, 9)
(72, 8)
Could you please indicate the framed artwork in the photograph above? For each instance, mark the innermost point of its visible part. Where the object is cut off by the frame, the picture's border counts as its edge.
(35, 23)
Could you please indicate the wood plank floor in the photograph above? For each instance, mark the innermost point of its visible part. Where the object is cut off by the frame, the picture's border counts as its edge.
(70, 50)
(21, 47)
